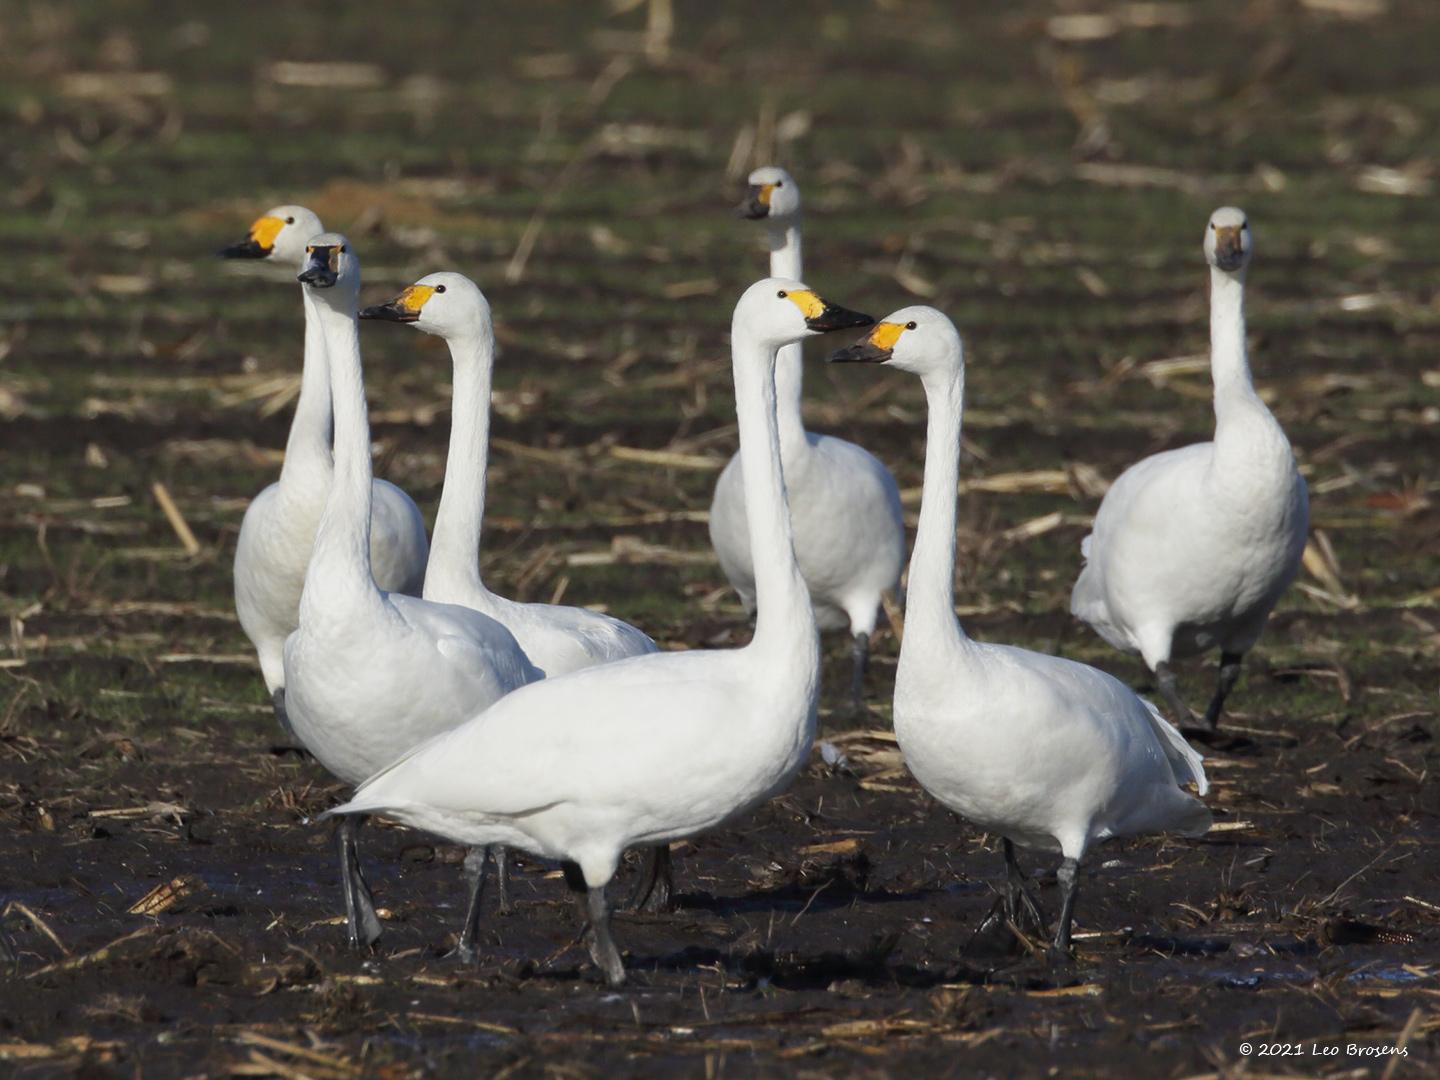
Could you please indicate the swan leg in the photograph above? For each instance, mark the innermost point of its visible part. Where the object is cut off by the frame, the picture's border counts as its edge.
(502, 879)
(1021, 908)
(477, 861)
(1165, 679)
(654, 890)
(1229, 676)
(277, 702)
(362, 925)
(1068, 876)
(860, 653)
(595, 911)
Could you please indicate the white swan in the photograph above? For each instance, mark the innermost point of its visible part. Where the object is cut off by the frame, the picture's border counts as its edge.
(1191, 549)
(845, 506)
(278, 531)
(557, 639)
(654, 748)
(1049, 753)
(370, 674)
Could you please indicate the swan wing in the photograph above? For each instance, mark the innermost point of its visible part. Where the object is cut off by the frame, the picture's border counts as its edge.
(1185, 761)
(558, 741)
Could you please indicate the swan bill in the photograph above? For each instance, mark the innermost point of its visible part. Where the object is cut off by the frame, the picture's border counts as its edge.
(405, 308)
(322, 266)
(875, 348)
(834, 317)
(821, 315)
(757, 202)
(259, 243)
(1229, 247)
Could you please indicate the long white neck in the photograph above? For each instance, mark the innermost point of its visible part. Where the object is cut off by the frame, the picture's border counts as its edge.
(340, 564)
(786, 262)
(454, 567)
(930, 595)
(785, 621)
(1246, 433)
(307, 465)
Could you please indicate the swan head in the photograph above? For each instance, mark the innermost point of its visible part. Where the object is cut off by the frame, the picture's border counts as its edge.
(777, 311)
(773, 195)
(1227, 240)
(279, 233)
(919, 339)
(446, 304)
(330, 263)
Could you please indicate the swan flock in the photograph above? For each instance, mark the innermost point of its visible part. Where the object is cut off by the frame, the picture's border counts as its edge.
(571, 736)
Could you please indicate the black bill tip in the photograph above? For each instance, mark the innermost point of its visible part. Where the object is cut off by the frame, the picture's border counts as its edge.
(322, 277)
(391, 312)
(863, 352)
(838, 318)
(246, 249)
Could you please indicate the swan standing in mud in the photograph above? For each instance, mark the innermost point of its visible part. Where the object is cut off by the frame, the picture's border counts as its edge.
(655, 748)
(556, 638)
(370, 674)
(1192, 548)
(1048, 753)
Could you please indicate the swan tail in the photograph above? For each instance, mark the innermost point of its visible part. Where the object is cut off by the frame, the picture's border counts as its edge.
(1194, 819)
(1186, 763)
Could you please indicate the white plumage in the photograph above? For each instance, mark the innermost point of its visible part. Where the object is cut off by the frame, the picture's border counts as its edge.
(1192, 548)
(844, 504)
(278, 531)
(556, 638)
(653, 748)
(368, 674)
(1048, 753)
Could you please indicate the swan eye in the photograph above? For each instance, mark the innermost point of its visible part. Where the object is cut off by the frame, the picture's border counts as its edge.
(910, 325)
(344, 249)
(439, 288)
(289, 221)
(779, 183)
(1214, 227)
(781, 294)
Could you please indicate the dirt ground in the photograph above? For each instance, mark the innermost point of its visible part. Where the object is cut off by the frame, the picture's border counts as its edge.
(1040, 171)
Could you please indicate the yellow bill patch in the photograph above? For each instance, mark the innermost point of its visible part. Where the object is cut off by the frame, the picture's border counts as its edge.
(265, 230)
(886, 334)
(762, 194)
(809, 304)
(413, 298)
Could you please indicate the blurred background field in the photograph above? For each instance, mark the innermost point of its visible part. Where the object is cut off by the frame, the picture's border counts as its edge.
(1040, 171)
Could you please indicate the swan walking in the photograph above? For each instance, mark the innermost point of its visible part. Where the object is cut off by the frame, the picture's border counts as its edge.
(1192, 548)
(557, 639)
(1048, 753)
(278, 530)
(654, 748)
(371, 674)
(845, 505)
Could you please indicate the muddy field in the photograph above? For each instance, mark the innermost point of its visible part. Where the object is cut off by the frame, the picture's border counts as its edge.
(1041, 172)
